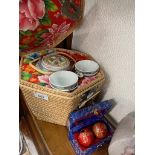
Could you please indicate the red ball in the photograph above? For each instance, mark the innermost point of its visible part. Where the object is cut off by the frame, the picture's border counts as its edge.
(86, 137)
(100, 130)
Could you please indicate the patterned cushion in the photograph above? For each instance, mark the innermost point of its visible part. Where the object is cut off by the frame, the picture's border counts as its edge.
(45, 23)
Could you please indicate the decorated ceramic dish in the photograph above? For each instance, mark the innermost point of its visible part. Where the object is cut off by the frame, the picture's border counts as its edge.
(55, 62)
(39, 65)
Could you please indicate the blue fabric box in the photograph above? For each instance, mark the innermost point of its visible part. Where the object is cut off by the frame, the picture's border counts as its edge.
(86, 117)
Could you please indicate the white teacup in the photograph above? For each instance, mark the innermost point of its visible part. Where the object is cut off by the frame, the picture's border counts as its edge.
(64, 80)
(86, 68)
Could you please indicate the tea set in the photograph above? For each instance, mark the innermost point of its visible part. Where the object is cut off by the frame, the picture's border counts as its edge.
(61, 76)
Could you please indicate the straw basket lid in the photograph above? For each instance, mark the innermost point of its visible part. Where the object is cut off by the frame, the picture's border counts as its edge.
(47, 25)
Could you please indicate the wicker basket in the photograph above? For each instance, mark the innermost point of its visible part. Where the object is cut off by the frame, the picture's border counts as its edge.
(53, 105)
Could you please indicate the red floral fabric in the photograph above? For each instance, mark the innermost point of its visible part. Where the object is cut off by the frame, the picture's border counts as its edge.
(45, 23)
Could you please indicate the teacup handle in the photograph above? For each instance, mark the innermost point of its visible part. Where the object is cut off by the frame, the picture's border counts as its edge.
(80, 75)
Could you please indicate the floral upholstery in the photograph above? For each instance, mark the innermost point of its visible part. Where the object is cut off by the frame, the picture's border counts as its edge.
(45, 23)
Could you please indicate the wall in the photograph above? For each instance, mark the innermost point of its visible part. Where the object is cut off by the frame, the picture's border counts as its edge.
(107, 33)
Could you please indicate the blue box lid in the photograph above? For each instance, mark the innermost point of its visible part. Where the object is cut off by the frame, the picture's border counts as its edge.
(94, 112)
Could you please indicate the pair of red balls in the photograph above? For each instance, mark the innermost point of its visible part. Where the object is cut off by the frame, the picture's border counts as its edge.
(86, 136)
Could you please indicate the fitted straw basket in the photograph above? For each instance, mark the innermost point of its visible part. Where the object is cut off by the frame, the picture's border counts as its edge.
(53, 105)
